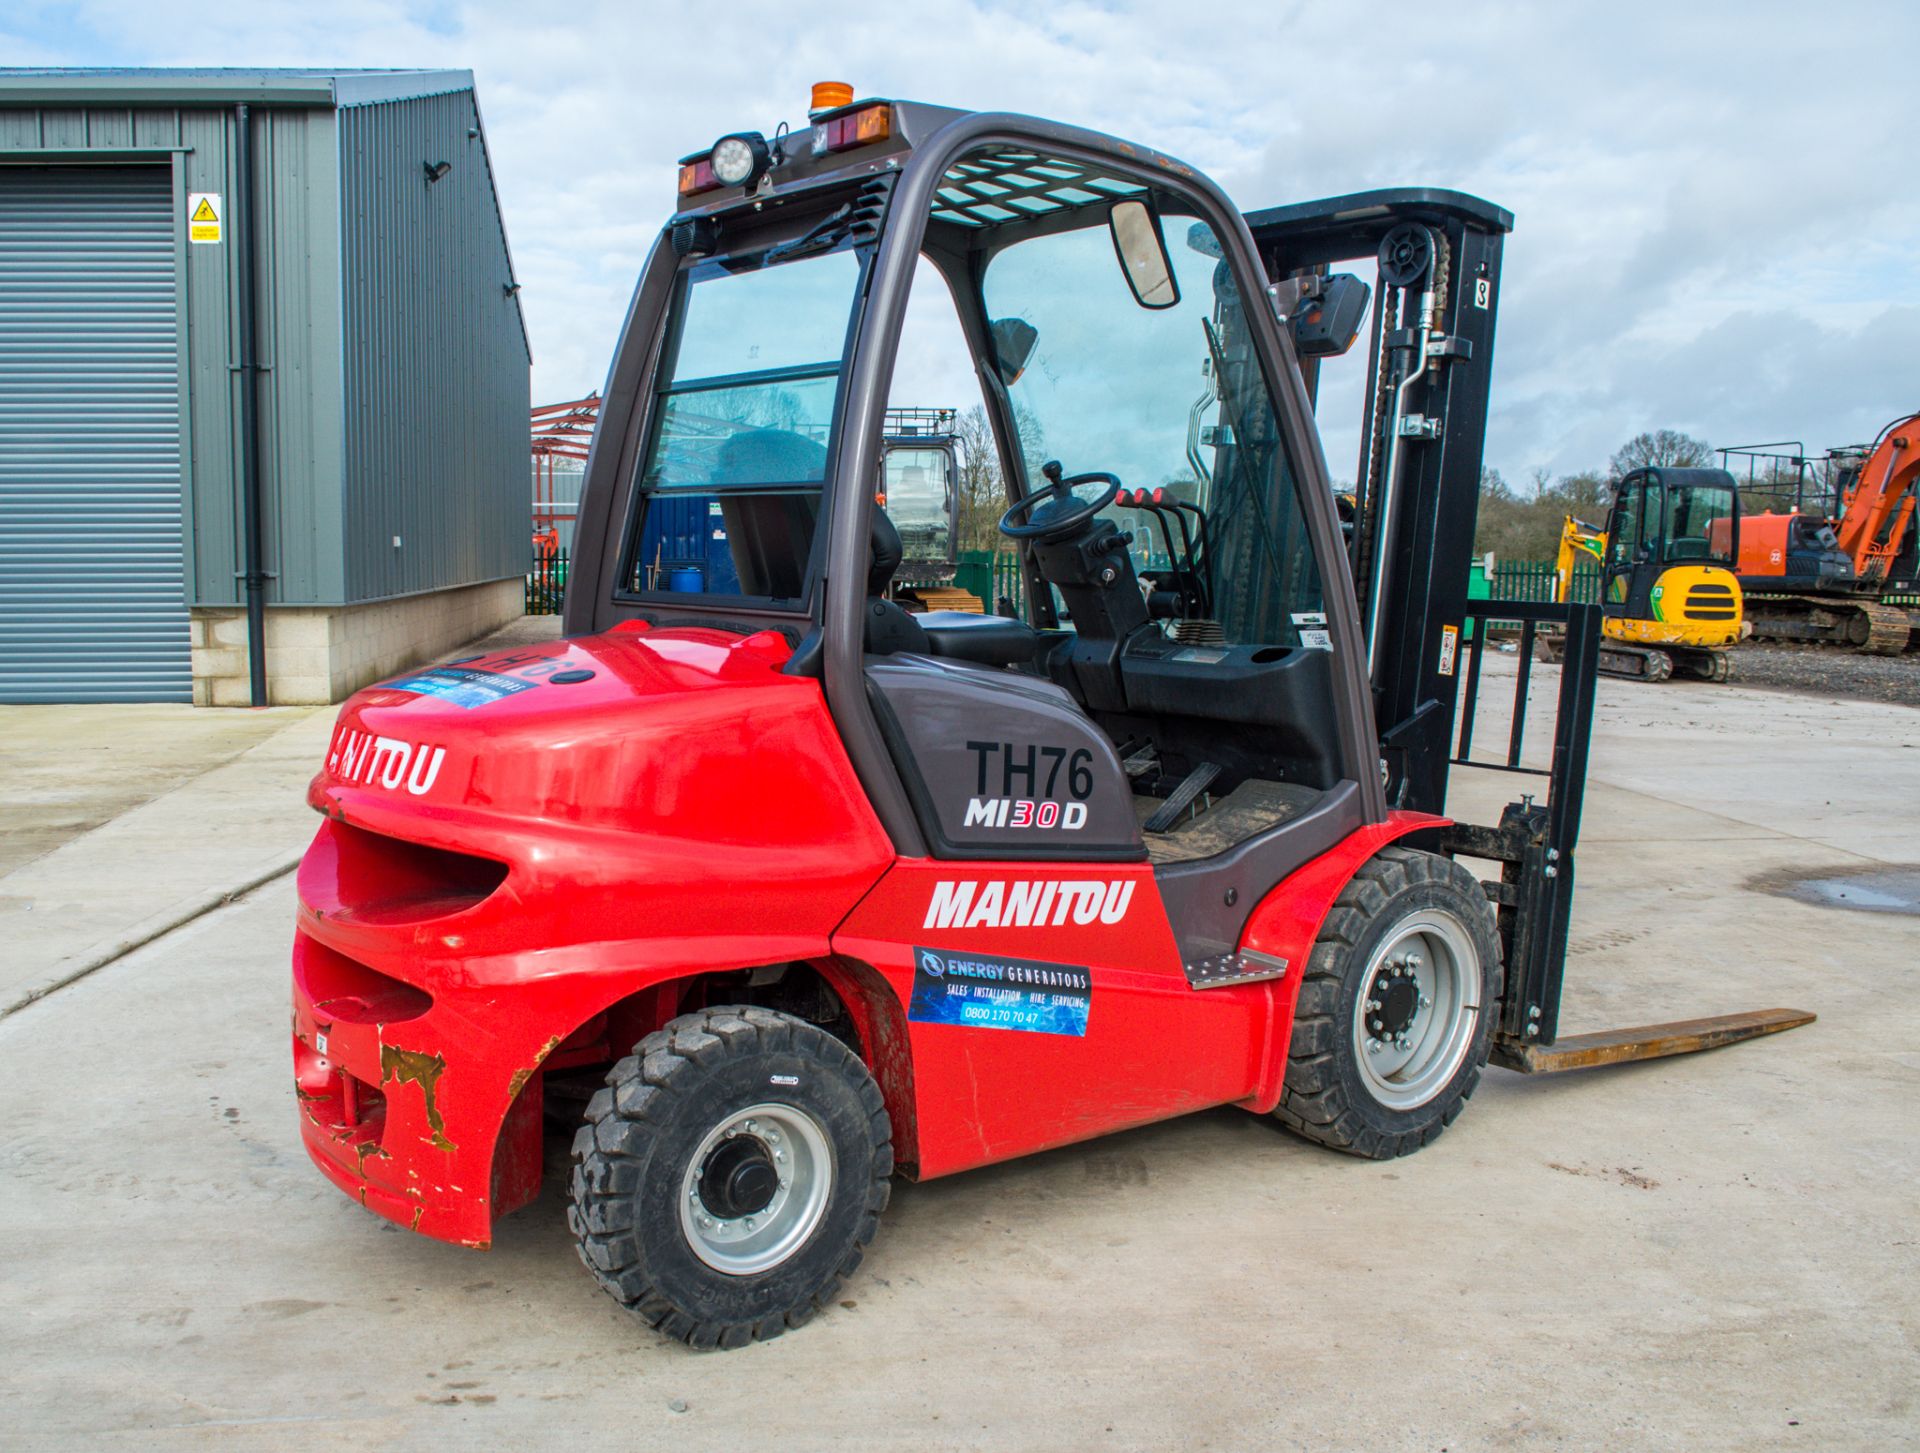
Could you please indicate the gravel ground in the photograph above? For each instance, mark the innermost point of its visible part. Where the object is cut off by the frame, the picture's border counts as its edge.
(1823, 671)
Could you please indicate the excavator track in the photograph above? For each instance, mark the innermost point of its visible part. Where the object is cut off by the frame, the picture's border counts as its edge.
(1635, 663)
(1865, 626)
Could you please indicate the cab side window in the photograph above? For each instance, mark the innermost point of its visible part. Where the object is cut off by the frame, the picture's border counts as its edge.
(1625, 539)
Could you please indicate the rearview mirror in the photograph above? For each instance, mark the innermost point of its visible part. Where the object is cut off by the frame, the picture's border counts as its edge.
(1143, 254)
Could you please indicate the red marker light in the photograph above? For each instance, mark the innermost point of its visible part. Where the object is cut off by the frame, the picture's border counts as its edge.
(853, 128)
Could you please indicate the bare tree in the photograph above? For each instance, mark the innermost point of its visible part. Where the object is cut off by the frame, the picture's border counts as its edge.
(1524, 524)
(983, 497)
(1657, 448)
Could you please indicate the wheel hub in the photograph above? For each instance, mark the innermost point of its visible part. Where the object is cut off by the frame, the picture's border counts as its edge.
(1394, 1001)
(1417, 1009)
(756, 1187)
(739, 1178)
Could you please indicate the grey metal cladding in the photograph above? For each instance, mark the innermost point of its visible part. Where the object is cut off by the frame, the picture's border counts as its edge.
(436, 358)
(1002, 765)
(92, 586)
(434, 449)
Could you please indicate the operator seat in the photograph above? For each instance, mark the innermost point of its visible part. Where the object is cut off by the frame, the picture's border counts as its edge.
(888, 628)
(989, 640)
(956, 635)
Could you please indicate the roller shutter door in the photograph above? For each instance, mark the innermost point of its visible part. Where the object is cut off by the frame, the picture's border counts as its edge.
(91, 569)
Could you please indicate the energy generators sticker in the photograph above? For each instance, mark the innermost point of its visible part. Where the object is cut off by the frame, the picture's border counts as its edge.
(463, 686)
(994, 993)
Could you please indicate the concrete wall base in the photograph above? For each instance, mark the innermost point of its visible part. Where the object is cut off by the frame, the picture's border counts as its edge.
(322, 654)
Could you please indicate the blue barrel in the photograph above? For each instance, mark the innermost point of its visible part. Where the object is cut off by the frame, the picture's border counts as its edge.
(689, 579)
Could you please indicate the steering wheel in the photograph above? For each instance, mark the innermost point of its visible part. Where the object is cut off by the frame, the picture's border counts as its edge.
(1058, 525)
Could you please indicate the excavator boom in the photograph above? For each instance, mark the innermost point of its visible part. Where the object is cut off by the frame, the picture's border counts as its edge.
(1878, 509)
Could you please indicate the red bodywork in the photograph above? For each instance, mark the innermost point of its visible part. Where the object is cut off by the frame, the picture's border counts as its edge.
(1764, 542)
(513, 885)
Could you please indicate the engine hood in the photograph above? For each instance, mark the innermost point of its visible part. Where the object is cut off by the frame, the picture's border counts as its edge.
(682, 727)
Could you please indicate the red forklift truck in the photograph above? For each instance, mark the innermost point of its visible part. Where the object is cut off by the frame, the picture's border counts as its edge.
(816, 892)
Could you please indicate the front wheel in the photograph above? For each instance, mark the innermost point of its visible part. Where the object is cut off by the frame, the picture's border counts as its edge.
(731, 1175)
(1396, 1011)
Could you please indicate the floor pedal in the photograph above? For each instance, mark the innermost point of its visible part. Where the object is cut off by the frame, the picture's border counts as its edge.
(1175, 807)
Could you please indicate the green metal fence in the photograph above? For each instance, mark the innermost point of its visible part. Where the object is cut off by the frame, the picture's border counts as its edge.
(991, 575)
(546, 583)
(1531, 580)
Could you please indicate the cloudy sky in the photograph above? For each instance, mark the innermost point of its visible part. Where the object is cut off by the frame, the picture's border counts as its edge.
(1717, 230)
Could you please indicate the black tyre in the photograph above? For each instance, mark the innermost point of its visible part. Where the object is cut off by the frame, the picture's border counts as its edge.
(731, 1175)
(1397, 1008)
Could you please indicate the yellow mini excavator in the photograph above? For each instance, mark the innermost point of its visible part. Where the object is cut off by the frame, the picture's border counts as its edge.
(1669, 598)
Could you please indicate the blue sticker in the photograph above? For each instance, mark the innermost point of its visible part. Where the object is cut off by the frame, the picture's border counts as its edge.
(462, 685)
(993, 993)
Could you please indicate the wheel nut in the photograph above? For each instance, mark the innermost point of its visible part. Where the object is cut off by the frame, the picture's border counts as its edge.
(1425, 1002)
(749, 1223)
(1373, 1046)
(1373, 1004)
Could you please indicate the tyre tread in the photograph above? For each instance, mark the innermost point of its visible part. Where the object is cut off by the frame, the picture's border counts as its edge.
(621, 1119)
(1314, 1102)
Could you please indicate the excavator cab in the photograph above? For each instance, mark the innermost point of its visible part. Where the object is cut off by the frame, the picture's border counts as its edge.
(920, 492)
(1668, 592)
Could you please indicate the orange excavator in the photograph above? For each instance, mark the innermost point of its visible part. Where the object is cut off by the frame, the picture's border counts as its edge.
(1810, 578)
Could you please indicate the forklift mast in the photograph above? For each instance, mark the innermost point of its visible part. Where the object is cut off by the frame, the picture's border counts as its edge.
(1436, 258)
(1417, 480)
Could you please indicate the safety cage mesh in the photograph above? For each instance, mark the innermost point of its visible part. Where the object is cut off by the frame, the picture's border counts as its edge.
(1003, 184)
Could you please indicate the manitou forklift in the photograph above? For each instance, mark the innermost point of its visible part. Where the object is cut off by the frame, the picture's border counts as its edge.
(818, 891)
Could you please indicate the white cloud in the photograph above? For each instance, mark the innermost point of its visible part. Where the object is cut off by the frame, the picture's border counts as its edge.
(1712, 231)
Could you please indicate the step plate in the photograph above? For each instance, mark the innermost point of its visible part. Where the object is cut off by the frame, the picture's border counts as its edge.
(1246, 967)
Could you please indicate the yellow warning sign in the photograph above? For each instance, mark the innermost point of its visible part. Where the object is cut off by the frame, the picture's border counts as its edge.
(204, 214)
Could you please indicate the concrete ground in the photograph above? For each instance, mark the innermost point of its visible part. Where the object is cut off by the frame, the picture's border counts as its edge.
(68, 769)
(1709, 1253)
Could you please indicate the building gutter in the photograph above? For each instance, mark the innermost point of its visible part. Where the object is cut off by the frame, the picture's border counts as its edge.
(246, 300)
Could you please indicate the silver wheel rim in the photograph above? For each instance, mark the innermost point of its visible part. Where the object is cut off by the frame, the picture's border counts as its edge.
(1433, 949)
(803, 1160)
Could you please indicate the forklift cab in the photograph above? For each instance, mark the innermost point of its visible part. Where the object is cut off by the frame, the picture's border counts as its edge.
(1133, 371)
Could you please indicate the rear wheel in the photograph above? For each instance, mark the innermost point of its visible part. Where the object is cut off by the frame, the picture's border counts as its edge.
(731, 1175)
(1396, 1011)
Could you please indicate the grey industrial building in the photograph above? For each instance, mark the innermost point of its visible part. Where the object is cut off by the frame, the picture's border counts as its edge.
(268, 305)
